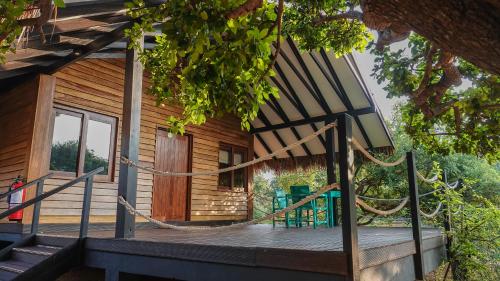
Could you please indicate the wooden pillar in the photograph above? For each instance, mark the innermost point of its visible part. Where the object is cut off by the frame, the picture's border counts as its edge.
(39, 142)
(346, 172)
(127, 182)
(330, 170)
(250, 173)
(418, 260)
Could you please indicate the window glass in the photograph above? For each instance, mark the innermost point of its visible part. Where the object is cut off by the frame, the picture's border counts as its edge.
(224, 162)
(98, 146)
(239, 175)
(65, 142)
(223, 157)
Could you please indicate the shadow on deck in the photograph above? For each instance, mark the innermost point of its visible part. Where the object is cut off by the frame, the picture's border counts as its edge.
(256, 252)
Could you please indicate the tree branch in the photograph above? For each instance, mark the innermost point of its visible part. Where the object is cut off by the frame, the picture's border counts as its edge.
(244, 9)
(281, 8)
(353, 15)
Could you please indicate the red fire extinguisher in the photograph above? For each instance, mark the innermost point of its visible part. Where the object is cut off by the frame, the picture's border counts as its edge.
(16, 199)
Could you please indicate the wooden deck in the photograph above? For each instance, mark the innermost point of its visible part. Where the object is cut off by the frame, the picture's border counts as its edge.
(292, 252)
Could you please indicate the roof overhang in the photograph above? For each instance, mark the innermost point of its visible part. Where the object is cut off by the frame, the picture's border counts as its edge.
(315, 88)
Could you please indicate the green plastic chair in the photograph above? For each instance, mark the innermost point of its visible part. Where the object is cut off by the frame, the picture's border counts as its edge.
(280, 202)
(299, 192)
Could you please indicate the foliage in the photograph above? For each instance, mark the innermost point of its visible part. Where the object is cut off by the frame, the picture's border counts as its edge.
(212, 63)
(342, 36)
(475, 234)
(209, 64)
(469, 121)
(10, 29)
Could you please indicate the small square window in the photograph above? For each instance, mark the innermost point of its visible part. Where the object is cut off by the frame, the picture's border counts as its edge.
(229, 156)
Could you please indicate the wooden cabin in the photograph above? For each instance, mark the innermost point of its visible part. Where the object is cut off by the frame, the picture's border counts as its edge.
(81, 105)
(80, 101)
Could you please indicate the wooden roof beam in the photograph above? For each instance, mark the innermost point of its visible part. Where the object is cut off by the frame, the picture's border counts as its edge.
(311, 120)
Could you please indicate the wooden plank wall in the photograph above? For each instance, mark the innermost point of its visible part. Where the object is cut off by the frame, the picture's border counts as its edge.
(97, 85)
(17, 107)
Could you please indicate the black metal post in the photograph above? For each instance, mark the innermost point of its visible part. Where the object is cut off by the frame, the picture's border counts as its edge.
(87, 199)
(127, 182)
(418, 259)
(447, 219)
(330, 171)
(36, 208)
(346, 172)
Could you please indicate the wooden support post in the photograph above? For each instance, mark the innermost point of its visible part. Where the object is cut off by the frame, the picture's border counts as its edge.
(447, 220)
(330, 171)
(418, 259)
(87, 199)
(346, 172)
(127, 182)
(36, 208)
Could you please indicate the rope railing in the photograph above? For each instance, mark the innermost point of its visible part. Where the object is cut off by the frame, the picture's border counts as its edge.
(434, 179)
(359, 199)
(131, 210)
(433, 214)
(371, 209)
(375, 160)
(308, 138)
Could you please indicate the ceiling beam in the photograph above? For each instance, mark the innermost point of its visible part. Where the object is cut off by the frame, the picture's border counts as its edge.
(311, 120)
(262, 117)
(344, 97)
(298, 103)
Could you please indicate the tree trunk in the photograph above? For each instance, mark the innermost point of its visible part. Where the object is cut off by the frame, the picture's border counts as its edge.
(467, 28)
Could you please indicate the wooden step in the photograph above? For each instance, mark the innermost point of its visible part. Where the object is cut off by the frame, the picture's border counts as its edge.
(43, 250)
(7, 275)
(51, 240)
(28, 255)
(15, 266)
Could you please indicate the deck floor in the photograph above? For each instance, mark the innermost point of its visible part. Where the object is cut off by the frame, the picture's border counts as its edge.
(258, 245)
(264, 236)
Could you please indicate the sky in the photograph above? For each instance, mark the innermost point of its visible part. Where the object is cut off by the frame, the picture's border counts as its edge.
(365, 62)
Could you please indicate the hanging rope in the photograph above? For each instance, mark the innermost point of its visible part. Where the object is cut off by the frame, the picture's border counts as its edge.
(308, 138)
(369, 208)
(131, 210)
(433, 214)
(381, 199)
(375, 160)
(453, 185)
(434, 179)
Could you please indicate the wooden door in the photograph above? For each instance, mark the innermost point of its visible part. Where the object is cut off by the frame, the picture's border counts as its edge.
(171, 194)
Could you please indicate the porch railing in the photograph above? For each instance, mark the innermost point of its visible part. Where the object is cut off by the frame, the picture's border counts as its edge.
(40, 195)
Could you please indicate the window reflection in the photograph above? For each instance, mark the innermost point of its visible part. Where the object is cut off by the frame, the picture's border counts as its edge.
(229, 156)
(65, 142)
(224, 162)
(97, 146)
(239, 175)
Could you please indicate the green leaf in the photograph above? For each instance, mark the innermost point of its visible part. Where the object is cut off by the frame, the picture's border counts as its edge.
(59, 3)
